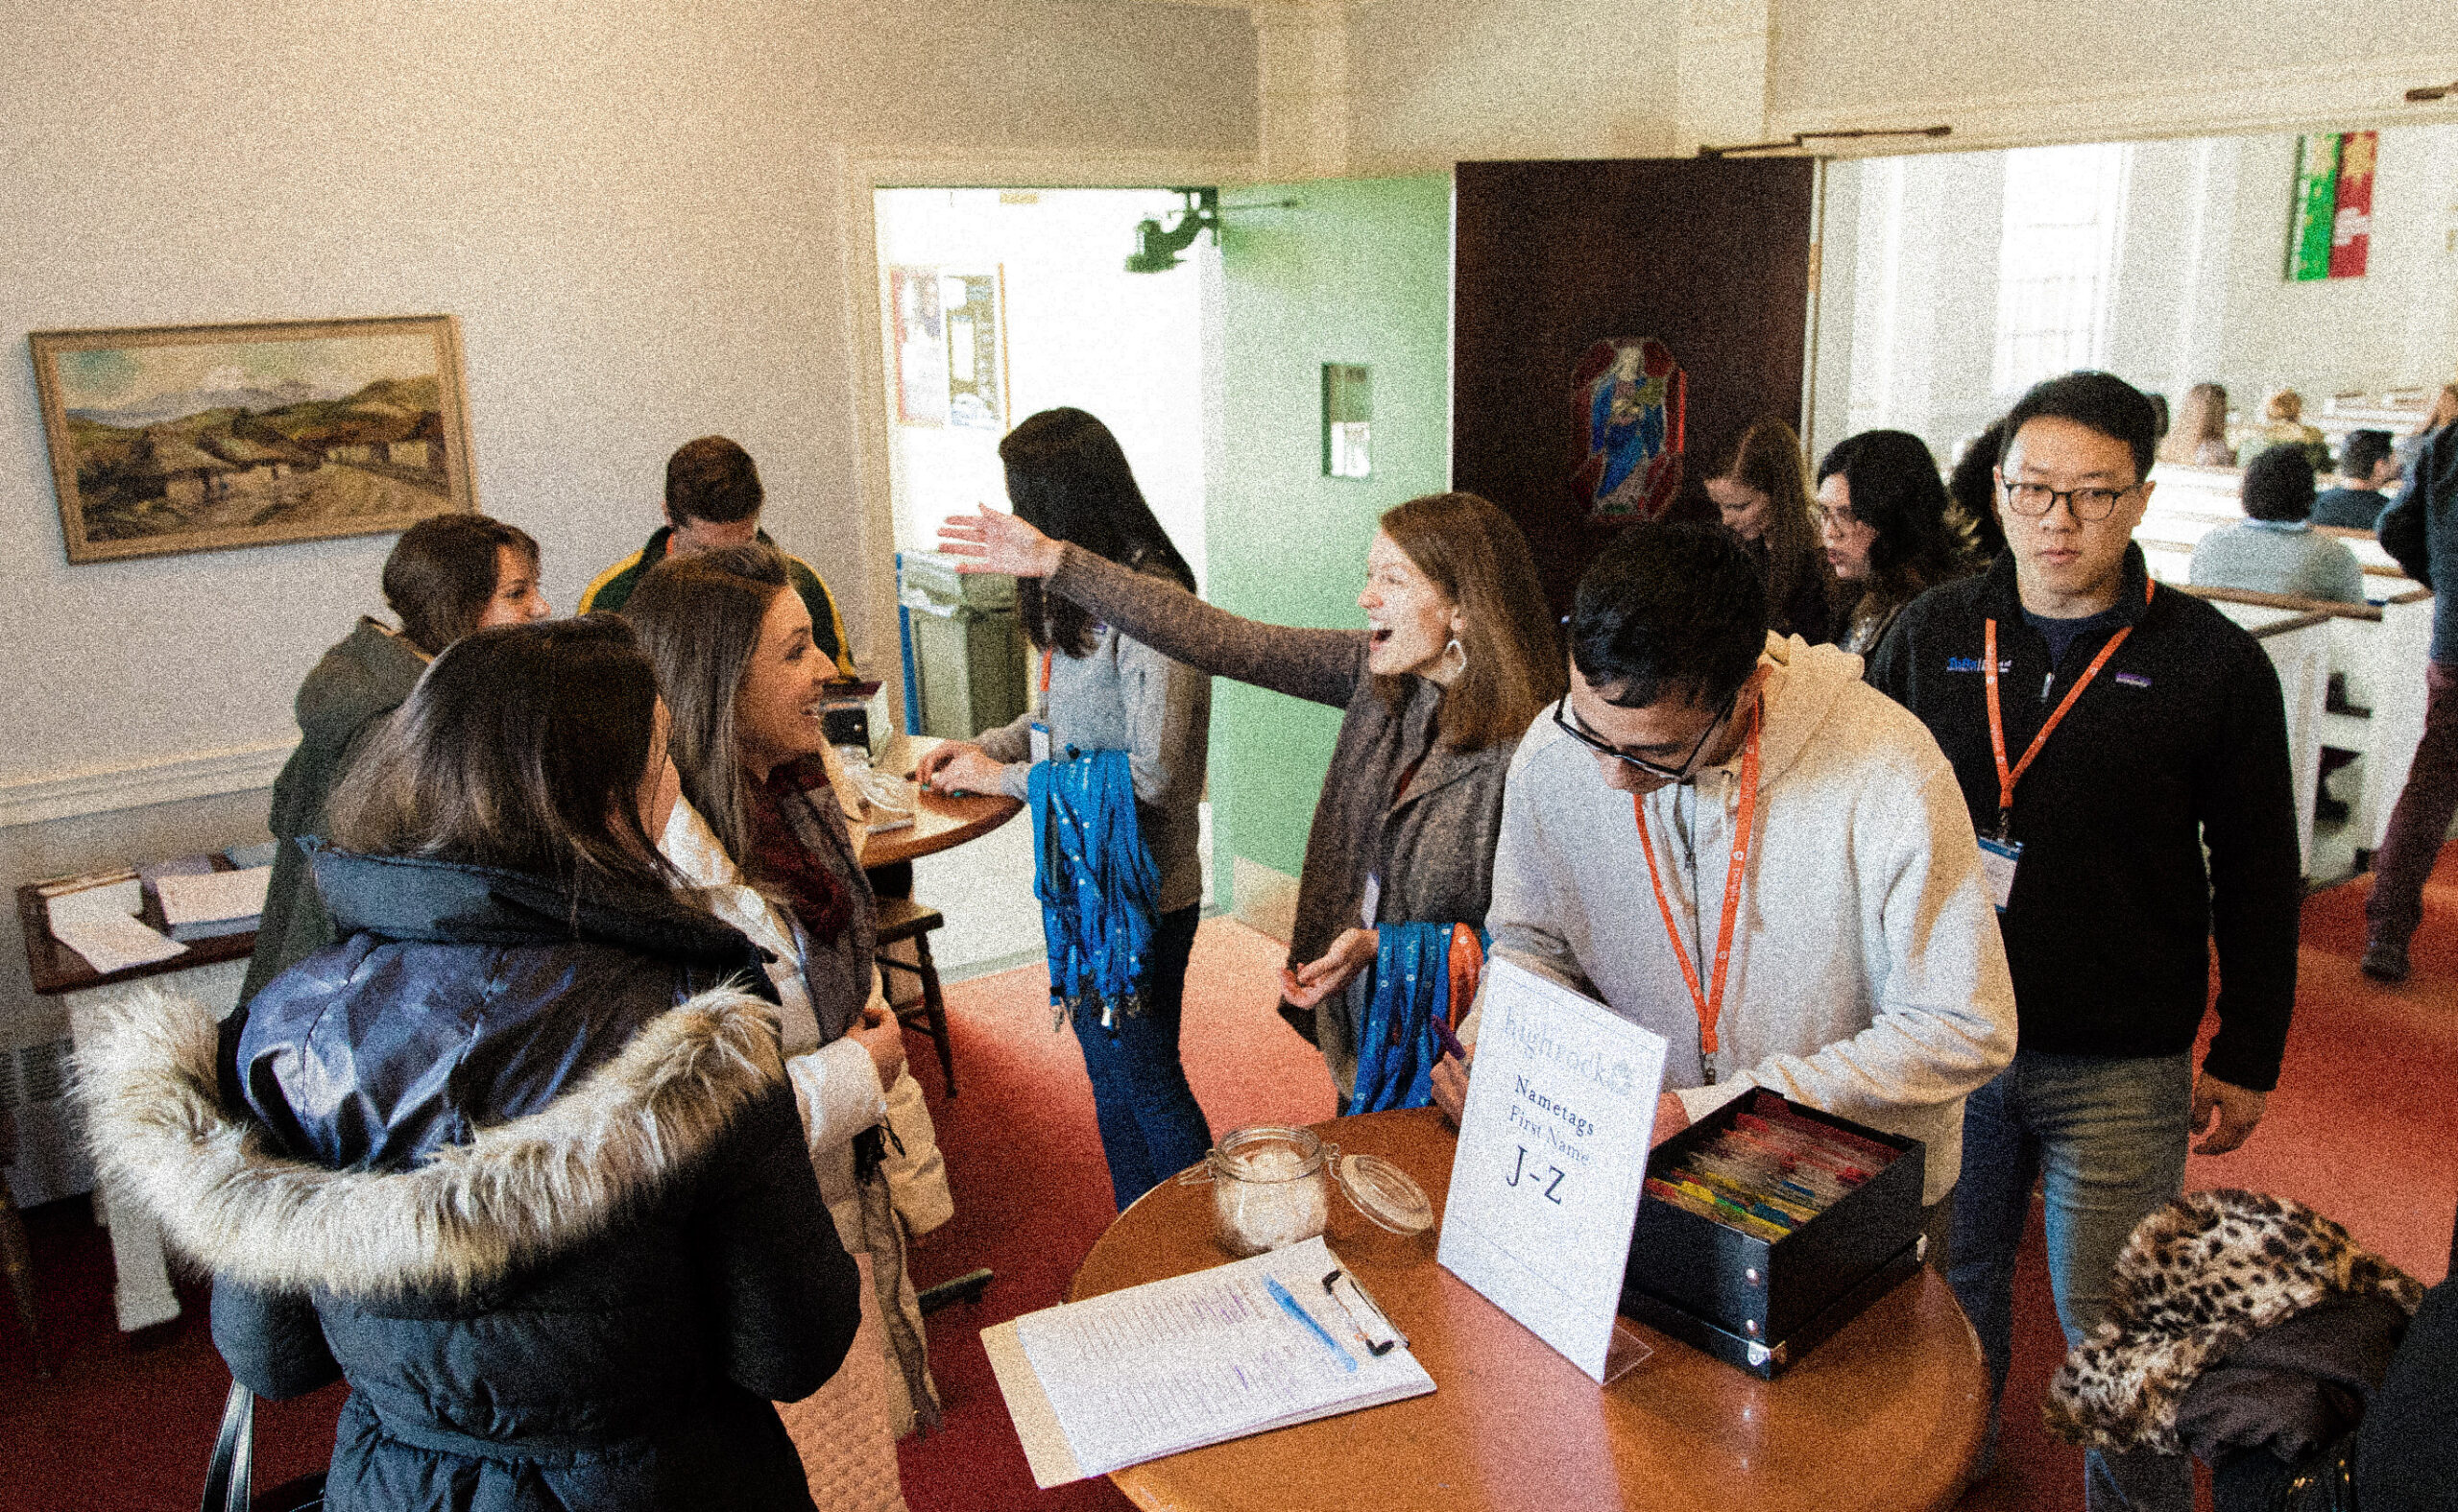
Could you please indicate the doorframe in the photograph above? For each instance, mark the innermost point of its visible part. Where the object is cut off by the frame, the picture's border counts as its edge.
(860, 172)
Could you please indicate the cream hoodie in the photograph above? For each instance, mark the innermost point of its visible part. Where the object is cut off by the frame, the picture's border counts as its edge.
(1867, 977)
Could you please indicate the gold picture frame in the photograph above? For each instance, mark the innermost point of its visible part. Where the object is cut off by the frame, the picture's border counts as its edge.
(170, 438)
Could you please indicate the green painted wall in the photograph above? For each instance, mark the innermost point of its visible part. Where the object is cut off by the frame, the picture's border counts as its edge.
(1358, 272)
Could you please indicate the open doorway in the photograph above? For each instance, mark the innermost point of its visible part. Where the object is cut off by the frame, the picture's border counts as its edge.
(2307, 276)
(997, 303)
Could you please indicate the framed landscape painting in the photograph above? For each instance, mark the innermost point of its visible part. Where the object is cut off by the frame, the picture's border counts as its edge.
(203, 437)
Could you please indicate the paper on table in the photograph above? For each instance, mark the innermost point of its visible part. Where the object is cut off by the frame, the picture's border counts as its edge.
(1199, 1359)
(108, 940)
(110, 899)
(213, 895)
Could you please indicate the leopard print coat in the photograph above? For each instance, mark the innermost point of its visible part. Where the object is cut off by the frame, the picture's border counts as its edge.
(2200, 1277)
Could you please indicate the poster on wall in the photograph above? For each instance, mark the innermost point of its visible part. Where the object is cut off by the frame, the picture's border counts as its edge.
(977, 351)
(1632, 402)
(2331, 234)
(921, 346)
(206, 438)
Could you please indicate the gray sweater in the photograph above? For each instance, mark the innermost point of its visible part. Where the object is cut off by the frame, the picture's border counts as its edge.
(1126, 696)
(2264, 556)
(1432, 846)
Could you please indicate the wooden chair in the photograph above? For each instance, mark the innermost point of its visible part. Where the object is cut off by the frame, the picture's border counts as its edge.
(17, 1253)
(903, 918)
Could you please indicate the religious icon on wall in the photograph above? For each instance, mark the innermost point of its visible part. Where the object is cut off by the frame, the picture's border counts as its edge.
(205, 438)
(1631, 397)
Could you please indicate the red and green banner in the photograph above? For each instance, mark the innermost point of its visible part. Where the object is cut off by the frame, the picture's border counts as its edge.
(2331, 233)
(2351, 222)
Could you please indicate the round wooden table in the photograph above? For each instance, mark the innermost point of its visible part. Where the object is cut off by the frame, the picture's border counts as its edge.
(939, 824)
(1886, 1416)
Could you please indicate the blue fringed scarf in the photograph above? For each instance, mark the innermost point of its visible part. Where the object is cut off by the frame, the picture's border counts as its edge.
(1099, 887)
(1396, 1046)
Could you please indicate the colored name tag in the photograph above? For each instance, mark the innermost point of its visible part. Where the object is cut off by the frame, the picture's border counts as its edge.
(1998, 859)
(1040, 738)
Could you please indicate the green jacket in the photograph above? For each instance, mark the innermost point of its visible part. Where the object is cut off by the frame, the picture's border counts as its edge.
(612, 588)
(359, 682)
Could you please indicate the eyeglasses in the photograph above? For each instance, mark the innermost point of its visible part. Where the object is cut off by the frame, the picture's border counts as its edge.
(1824, 518)
(2086, 504)
(1564, 717)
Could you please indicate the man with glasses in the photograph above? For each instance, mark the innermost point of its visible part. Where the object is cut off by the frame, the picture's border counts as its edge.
(1733, 842)
(2102, 731)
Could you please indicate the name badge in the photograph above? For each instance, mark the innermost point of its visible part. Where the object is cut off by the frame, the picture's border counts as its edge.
(1040, 738)
(1998, 859)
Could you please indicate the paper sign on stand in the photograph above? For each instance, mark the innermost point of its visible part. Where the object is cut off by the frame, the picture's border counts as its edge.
(1552, 1152)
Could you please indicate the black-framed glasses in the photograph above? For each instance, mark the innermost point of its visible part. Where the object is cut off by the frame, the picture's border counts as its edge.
(2087, 505)
(1823, 518)
(1564, 717)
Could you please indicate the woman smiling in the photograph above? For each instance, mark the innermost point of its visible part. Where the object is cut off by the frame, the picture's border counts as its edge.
(1457, 657)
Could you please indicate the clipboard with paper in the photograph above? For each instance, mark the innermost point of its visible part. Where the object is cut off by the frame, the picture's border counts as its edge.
(1262, 1343)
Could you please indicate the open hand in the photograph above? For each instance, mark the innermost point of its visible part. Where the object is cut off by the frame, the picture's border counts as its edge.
(2227, 1111)
(1310, 984)
(994, 542)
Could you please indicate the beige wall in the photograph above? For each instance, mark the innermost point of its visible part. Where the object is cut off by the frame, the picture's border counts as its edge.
(1435, 82)
(634, 208)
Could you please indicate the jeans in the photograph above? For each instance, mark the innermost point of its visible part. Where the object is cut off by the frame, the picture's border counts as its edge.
(2420, 821)
(1151, 1127)
(2111, 1135)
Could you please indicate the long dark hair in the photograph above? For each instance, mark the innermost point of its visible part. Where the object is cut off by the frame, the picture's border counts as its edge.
(1973, 486)
(1896, 488)
(1470, 550)
(1068, 479)
(524, 748)
(1768, 460)
(699, 620)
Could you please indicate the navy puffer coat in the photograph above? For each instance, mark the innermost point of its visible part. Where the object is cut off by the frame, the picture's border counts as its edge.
(527, 1174)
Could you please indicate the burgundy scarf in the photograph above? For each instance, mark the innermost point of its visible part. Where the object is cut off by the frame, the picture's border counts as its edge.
(778, 859)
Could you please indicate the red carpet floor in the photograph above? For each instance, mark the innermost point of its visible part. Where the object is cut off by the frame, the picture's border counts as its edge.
(125, 1423)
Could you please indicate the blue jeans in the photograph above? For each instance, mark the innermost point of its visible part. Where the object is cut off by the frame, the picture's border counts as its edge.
(1151, 1127)
(2111, 1137)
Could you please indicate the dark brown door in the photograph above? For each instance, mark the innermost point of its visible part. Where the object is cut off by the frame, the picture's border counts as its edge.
(1711, 258)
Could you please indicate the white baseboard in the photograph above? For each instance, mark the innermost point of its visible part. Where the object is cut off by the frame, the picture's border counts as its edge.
(241, 769)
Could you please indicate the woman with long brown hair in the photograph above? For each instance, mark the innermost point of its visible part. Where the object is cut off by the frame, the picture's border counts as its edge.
(2200, 437)
(1765, 500)
(1457, 660)
(515, 1159)
(764, 832)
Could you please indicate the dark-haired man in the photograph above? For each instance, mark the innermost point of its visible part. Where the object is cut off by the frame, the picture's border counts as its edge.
(2103, 731)
(1708, 791)
(2276, 549)
(712, 498)
(2367, 467)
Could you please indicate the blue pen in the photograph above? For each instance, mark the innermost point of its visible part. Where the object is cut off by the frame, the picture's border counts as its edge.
(1289, 1304)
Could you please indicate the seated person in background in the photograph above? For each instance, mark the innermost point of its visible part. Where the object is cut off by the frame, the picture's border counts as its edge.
(712, 498)
(2200, 439)
(1866, 976)
(449, 575)
(1973, 486)
(1765, 503)
(2366, 472)
(1886, 524)
(2283, 421)
(2276, 550)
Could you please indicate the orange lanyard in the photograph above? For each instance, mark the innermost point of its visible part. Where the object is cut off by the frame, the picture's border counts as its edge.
(1045, 668)
(2008, 777)
(1710, 1003)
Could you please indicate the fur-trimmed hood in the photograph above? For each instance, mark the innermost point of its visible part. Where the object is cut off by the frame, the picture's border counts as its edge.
(516, 1193)
(2199, 1277)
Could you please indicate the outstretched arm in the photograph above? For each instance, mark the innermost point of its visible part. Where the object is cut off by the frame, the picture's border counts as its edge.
(1324, 666)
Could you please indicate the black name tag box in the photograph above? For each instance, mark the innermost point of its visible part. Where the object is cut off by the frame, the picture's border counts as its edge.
(1758, 1304)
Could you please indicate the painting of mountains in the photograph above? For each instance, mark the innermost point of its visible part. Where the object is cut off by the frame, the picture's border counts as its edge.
(204, 437)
